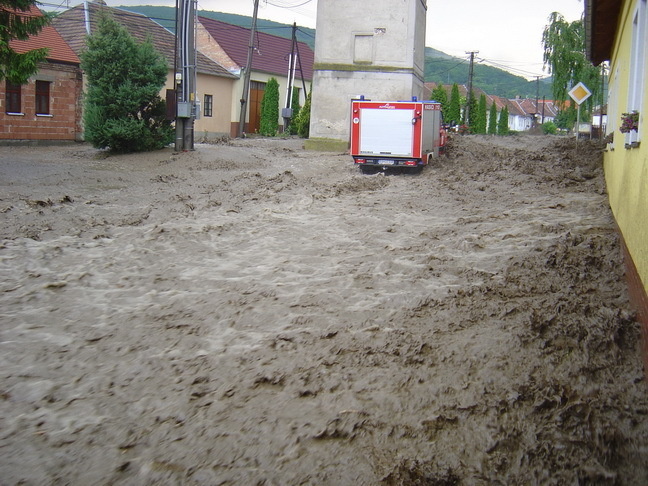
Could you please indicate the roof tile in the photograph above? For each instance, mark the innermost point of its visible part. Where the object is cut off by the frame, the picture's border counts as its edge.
(48, 38)
(270, 54)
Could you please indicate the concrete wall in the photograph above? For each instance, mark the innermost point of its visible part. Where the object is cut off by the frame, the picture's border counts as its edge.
(374, 48)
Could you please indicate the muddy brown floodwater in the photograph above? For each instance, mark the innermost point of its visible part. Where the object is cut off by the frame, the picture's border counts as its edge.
(251, 313)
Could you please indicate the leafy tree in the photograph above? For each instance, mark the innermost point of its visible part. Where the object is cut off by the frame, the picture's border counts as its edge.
(123, 109)
(16, 22)
(439, 94)
(482, 115)
(565, 59)
(492, 120)
(302, 121)
(454, 110)
(566, 118)
(270, 109)
(502, 124)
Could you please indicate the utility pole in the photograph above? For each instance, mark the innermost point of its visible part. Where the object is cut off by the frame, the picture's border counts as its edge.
(185, 74)
(535, 115)
(287, 112)
(248, 72)
(470, 85)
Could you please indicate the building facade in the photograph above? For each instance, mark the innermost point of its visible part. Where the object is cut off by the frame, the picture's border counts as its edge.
(617, 31)
(228, 45)
(48, 106)
(372, 48)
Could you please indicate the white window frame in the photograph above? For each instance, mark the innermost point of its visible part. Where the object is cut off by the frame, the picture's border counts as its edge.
(637, 78)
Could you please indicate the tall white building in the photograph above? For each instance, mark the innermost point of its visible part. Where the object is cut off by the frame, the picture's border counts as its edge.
(374, 48)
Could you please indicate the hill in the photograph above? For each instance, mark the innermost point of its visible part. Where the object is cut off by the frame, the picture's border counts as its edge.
(439, 66)
(445, 69)
(165, 16)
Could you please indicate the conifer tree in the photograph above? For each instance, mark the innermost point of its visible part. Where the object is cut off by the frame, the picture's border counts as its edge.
(270, 109)
(502, 124)
(439, 94)
(492, 120)
(482, 115)
(16, 22)
(123, 109)
(472, 112)
(303, 119)
(454, 110)
(292, 128)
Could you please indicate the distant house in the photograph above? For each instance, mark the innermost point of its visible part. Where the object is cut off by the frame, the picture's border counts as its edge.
(523, 113)
(229, 46)
(214, 83)
(617, 31)
(46, 107)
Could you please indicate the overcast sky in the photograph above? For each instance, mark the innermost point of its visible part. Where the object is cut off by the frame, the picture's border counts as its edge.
(507, 33)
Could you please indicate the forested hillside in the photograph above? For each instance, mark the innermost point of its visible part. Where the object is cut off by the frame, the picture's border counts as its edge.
(439, 67)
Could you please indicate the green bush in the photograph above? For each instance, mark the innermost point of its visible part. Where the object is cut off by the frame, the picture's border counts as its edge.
(123, 109)
(549, 128)
(302, 121)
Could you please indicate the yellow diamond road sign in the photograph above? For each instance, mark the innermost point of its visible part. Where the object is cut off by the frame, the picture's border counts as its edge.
(579, 93)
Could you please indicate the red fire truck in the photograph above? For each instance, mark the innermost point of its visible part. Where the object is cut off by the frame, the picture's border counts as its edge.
(387, 134)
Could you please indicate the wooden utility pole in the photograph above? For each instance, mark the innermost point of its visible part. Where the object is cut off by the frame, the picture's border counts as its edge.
(248, 72)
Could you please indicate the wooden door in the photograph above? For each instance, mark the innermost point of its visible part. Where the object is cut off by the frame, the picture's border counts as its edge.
(256, 95)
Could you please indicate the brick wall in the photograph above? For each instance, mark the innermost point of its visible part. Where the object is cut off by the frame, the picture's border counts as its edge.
(64, 121)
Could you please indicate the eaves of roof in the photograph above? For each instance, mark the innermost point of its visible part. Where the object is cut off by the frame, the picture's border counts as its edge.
(601, 24)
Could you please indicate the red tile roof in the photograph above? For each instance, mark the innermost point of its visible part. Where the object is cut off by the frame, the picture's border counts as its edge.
(270, 54)
(59, 50)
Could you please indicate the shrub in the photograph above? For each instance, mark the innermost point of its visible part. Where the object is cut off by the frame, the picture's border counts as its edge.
(549, 128)
(123, 109)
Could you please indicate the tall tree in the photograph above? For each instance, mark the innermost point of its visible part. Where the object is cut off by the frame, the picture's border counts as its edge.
(20, 19)
(454, 110)
(123, 109)
(502, 124)
(492, 120)
(482, 115)
(439, 94)
(472, 111)
(565, 59)
(270, 109)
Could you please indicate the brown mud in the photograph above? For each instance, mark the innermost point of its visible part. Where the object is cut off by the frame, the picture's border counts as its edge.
(254, 313)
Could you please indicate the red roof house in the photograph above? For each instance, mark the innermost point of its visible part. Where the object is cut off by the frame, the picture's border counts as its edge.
(228, 45)
(47, 107)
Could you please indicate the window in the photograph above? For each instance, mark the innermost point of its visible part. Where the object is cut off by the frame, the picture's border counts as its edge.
(42, 97)
(637, 64)
(208, 105)
(13, 92)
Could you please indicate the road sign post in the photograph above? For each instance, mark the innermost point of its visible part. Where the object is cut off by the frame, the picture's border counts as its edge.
(579, 93)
